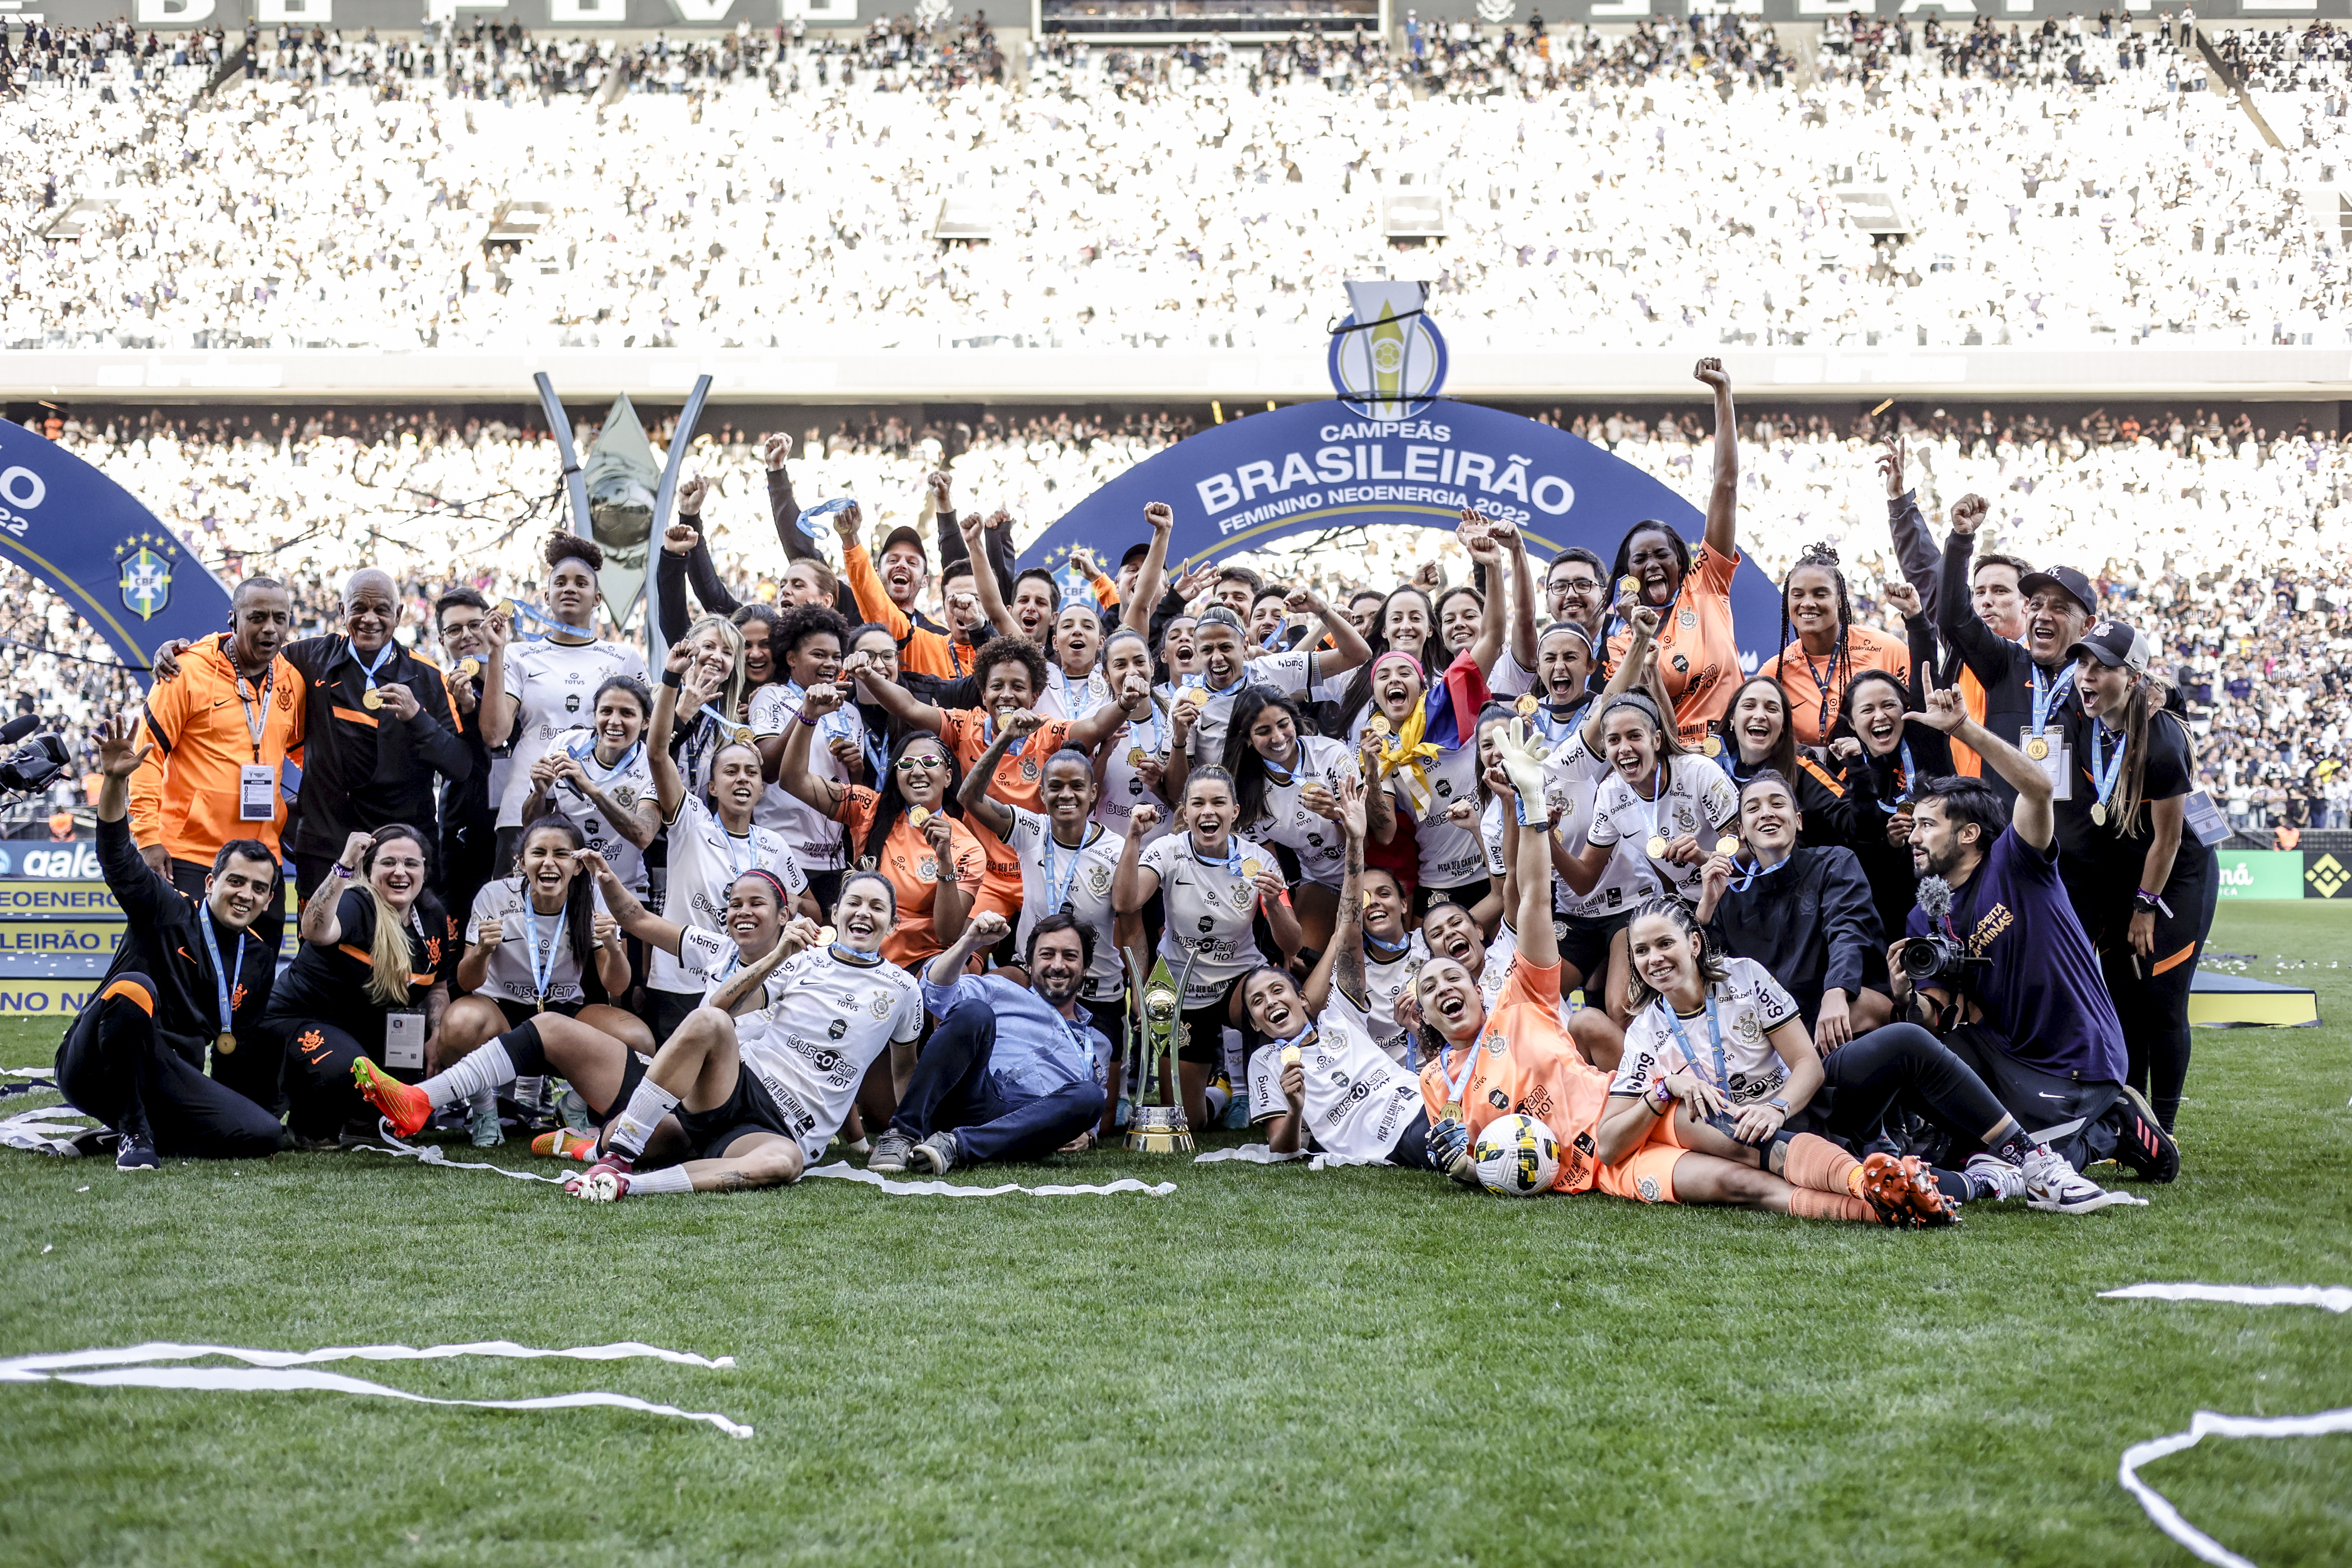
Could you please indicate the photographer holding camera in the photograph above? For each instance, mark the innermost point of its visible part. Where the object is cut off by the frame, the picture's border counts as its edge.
(1999, 966)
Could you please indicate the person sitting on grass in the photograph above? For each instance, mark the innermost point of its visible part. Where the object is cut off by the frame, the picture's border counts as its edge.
(1012, 1071)
(761, 1093)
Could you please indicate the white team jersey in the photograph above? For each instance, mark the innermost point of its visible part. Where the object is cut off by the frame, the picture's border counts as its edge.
(815, 838)
(629, 782)
(705, 958)
(1698, 799)
(527, 940)
(1383, 983)
(1071, 698)
(1509, 677)
(1451, 856)
(1320, 843)
(1358, 1101)
(1287, 672)
(554, 689)
(1210, 907)
(704, 859)
(824, 1022)
(1052, 876)
(1573, 778)
(1748, 1005)
(1122, 787)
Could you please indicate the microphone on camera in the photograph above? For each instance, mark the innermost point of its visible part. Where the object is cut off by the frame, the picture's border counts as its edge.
(16, 729)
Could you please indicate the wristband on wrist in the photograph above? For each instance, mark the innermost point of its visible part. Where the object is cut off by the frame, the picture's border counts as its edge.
(806, 719)
(1660, 1097)
(342, 870)
(673, 678)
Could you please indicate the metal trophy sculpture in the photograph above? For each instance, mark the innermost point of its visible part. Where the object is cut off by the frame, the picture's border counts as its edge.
(620, 498)
(1152, 1037)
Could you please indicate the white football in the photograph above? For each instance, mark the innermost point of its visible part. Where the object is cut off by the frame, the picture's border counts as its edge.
(1516, 1157)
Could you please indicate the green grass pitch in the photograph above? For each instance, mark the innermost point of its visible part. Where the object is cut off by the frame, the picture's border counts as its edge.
(1272, 1366)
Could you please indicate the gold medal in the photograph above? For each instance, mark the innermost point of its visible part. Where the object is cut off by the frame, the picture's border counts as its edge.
(1290, 1056)
(1714, 746)
(1250, 868)
(1135, 756)
(2099, 814)
(918, 815)
(1657, 847)
(1629, 584)
(2037, 747)
(372, 698)
(1527, 704)
(1379, 725)
(1727, 844)
(824, 935)
(1453, 1112)
(468, 668)
(225, 1044)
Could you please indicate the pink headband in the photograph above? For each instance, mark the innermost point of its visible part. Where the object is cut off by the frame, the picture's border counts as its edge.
(1398, 653)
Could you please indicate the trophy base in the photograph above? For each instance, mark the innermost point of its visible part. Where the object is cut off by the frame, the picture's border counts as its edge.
(1159, 1129)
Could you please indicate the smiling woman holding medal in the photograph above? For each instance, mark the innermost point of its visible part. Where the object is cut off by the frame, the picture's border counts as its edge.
(1288, 782)
(1673, 804)
(1213, 885)
(712, 839)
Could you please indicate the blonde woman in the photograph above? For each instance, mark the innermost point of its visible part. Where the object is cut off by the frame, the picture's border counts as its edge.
(371, 980)
(715, 649)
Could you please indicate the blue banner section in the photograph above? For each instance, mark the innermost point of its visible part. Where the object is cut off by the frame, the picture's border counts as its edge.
(1319, 466)
(113, 560)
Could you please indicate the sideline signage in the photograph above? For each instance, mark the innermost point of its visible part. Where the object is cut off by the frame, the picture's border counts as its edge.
(126, 574)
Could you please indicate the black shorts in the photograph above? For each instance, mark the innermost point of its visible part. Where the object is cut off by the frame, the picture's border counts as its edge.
(1467, 895)
(1110, 1017)
(750, 1109)
(521, 1013)
(1412, 1149)
(1584, 941)
(1202, 1038)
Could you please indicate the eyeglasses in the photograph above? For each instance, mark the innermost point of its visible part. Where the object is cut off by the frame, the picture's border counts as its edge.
(908, 764)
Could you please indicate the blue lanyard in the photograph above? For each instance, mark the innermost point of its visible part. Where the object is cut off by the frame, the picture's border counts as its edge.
(1233, 858)
(1058, 886)
(2045, 695)
(542, 959)
(751, 848)
(1755, 867)
(1714, 1033)
(1060, 680)
(222, 979)
(988, 735)
(382, 657)
(1153, 742)
(1455, 1086)
(1081, 1037)
(726, 727)
(1201, 682)
(1554, 730)
(2103, 773)
(586, 757)
(1903, 781)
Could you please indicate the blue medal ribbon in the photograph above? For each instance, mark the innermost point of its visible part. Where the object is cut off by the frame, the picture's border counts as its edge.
(1755, 867)
(1902, 780)
(1231, 861)
(2045, 695)
(585, 755)
(1714, 1034)
(542, 958)
(988, 735)
(1058, 886)
(2104, 772)
(224, 980)
(382, 657)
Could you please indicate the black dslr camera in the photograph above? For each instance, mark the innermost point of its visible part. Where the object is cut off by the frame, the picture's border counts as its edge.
(1937, 959)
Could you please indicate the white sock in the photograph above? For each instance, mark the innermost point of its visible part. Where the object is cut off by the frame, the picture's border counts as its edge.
(483, 1099)
(668, 1179)
(530, 1092)
(484, 1069)
(645, 1108)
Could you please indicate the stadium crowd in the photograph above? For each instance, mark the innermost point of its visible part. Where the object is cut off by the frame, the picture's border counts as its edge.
(1521, 877)
(1165, 199)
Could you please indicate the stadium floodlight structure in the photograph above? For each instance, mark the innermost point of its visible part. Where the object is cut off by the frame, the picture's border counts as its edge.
(621, 498)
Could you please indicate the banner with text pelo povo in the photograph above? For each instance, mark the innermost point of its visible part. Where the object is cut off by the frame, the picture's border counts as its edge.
(1316, 467)
(126, 574)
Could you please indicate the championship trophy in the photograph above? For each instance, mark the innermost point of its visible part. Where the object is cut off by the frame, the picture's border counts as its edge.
(1158, 1129)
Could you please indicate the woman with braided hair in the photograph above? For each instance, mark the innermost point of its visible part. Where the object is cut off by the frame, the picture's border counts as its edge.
(1828, 650)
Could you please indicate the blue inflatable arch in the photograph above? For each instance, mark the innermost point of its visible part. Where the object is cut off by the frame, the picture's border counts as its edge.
(1319, 466)
(100, 548)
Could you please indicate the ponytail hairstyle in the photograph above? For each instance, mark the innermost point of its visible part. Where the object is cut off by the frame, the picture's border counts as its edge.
(1712, 969)
(1244, 765)
(389, 955)
(579, 897)
(891, 804)
(1430, 653)
(730, 637)
(1822, 557)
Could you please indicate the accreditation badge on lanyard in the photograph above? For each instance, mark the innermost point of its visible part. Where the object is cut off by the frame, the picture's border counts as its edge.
(256, 781)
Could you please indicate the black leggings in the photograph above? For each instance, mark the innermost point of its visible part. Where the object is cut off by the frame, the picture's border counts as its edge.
(1900, 1061)
(2151, 993)
(114, 1065)
(319, 1058)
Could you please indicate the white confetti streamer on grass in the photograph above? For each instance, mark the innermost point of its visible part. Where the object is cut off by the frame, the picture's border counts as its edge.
(2334, 1297)
(841, 1171)
(1263, 1154)
(277, 1371)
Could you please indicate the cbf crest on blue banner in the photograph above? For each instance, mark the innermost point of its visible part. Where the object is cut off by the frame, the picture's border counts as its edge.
(91, 540)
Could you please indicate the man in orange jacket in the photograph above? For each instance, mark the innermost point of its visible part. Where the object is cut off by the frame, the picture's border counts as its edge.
(221, 734)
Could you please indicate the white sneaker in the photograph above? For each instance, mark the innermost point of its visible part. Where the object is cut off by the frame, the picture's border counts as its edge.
(2055, 1186)
(2006, 1179)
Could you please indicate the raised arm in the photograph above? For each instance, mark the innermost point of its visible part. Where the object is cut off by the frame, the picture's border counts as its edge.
(798, 934)
(894, 698)
(1723, 500)
(1133, 883)
(2031, 815)
(1630, 669)
(1348, 647)
(1099, 726)
(1494, 610)
(499, 704)
(984, 929)
(1956, 612)
(626, 908)
(973, 792)
(1915, 547)
(792, 775)
(676, 686)
(983, 581)
(1523, 598)
(136, 886)
(1137, 610)
(1528, 850)
(319, 924)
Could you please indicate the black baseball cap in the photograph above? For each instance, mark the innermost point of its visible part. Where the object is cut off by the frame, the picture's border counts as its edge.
(2067, 581)
(902, 534)
(2115, 645)
(1135, 553)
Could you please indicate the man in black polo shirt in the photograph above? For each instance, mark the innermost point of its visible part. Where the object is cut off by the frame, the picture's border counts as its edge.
(469, 813)
(188, 974)
(2029, 687)
(378, 728)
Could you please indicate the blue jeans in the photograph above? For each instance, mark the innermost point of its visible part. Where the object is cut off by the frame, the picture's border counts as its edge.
(952, 1088)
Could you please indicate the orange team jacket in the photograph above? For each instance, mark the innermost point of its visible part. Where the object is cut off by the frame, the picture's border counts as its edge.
(1527, 1064)
(1972, 697)
(1816, 687)
(1698, 657)
(920, 649)
(912, 869)
(965, 734)
(185, 795)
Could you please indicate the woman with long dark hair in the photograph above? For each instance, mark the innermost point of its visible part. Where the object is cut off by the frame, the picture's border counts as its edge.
(1886, 758)
(1405, 623)
(1756, 738)
(1286, 787)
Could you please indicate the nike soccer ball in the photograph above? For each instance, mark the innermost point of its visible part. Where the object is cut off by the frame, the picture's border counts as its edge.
(1516, 1157)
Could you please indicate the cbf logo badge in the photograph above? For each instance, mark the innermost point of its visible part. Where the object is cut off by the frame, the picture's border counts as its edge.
(143, 576)
(1386, 350)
